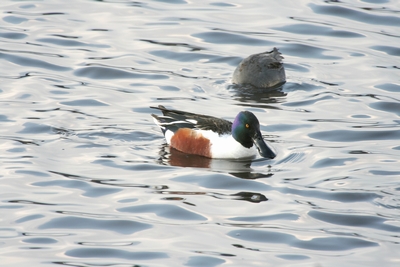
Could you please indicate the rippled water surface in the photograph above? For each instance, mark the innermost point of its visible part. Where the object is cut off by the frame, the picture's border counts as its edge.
(87, 180)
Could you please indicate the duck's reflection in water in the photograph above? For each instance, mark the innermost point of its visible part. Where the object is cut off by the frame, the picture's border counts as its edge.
(238, 168)
(258, 97)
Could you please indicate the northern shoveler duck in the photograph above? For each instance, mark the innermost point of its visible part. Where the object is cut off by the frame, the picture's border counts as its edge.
(213, 137)
(263, 70)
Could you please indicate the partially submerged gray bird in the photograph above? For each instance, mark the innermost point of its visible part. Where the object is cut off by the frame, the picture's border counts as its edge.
(263, 70)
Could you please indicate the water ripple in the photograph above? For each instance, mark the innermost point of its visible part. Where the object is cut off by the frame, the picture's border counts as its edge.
(359, 15)
(318, 30)
(315, 243)
(166, 211)
(355, 220)
(31, 62)
(114, 254)
(105, 72)
(353, 136)
(124, 227)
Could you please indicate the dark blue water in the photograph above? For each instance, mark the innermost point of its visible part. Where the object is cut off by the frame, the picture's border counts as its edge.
(86, 178)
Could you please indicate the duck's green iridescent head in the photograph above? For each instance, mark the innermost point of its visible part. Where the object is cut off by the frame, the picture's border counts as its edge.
(246, 130)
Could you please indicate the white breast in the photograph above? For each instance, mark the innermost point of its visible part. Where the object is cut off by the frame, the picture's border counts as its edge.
(225, 146)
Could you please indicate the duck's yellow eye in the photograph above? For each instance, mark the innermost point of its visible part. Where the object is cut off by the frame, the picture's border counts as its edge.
(247, 125)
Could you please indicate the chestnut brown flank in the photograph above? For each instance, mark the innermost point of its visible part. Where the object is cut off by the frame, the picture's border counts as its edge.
(191, 142)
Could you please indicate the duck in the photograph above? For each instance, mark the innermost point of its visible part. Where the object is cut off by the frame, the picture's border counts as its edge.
(262, 70)
(213, 137)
